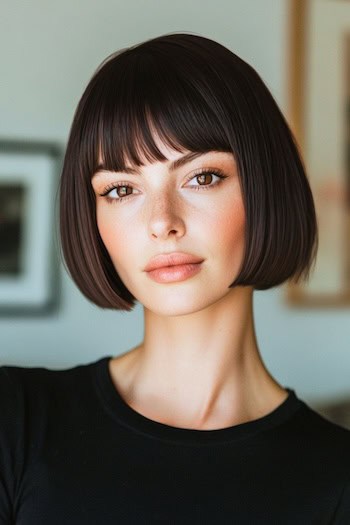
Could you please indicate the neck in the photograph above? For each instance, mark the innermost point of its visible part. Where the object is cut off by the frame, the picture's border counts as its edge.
(203, 370)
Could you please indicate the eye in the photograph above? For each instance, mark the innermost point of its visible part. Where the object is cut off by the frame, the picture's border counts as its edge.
(203, 175)
(115, 186)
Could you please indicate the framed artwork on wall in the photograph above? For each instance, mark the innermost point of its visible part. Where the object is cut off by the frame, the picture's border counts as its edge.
(318, 83)
(28, 264)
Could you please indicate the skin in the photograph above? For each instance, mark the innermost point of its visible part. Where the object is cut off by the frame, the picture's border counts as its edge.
(199, 365)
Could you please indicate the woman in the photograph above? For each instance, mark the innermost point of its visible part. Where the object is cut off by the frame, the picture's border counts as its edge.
(182, 188)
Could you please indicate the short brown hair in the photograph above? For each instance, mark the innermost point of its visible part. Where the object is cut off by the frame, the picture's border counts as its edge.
(199, 96)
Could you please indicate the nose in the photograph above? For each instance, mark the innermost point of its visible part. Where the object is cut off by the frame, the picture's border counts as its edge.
(166, 219)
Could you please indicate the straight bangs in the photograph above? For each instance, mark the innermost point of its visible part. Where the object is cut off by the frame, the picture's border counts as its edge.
(139, 98)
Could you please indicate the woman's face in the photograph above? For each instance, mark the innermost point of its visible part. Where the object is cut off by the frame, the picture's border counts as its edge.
(163, 212)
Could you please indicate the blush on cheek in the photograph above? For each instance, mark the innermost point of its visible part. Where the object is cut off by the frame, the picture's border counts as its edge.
(231, 235)
(231, 222)
(116, 239)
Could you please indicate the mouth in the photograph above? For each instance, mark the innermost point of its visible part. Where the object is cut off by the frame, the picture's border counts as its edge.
(175, 273)
(168, 260)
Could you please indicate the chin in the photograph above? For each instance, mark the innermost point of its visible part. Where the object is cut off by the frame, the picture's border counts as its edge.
(176, 303)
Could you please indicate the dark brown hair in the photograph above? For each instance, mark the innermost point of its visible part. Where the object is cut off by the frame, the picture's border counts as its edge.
(199, 96)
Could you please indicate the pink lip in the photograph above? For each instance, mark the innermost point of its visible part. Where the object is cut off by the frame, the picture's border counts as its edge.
(171, 259)
(174, 273)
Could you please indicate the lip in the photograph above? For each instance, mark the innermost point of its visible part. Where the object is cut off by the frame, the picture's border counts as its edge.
(166, 260)
(177, 272)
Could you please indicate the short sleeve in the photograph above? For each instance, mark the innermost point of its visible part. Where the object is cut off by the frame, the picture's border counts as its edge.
(10, 417)
(342, 514)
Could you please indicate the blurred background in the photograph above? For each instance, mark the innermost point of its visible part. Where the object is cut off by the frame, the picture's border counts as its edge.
(49, 51)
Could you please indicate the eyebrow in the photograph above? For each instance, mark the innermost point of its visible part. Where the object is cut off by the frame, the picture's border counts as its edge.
(175, 164)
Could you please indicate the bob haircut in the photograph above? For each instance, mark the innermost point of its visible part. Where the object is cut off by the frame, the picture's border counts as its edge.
(197, 95)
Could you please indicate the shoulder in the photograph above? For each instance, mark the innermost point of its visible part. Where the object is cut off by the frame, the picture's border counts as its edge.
(318, 426)
(31, 387)
(14, 377)
(321, 443)
(33, 399)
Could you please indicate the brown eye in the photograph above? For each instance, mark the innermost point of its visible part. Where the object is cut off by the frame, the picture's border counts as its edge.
(205, 177)
(123, 192)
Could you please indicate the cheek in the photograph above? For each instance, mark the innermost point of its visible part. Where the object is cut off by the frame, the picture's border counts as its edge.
(112, 234)
(118, 240)
(229, 226)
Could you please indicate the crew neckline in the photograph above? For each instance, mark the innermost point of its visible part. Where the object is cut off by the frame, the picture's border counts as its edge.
(124, 414)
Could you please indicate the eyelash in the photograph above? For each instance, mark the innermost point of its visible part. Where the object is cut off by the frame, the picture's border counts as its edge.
(110, 187)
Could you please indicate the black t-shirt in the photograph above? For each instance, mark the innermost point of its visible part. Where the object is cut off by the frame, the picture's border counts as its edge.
(73, 452)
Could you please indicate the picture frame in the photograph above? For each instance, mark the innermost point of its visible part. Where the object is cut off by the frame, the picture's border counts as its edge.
(29, 277)
(318, 83)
